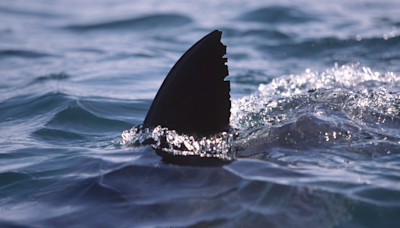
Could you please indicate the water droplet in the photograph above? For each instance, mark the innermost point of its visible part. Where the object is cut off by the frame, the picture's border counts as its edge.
(385, 36)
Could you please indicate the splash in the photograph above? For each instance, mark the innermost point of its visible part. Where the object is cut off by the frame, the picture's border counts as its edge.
(352, 88)
(350, 77)
(218, 145)
(347, 109)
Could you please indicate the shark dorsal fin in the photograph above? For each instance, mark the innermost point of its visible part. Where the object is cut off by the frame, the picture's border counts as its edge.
(194, 98)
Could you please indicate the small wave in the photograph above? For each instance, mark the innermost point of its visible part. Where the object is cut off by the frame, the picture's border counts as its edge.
(23, 54)
(145, 22)
(53, 76)
(25, 12)
(333, 47)
(277, 15)
(56, 137)
(27, 107)
(262, 33)
(77, 119)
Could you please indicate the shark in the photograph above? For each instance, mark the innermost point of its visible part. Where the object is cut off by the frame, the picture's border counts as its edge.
(194, 97)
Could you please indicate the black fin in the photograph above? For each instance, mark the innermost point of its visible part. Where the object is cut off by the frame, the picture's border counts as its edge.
(194, 98)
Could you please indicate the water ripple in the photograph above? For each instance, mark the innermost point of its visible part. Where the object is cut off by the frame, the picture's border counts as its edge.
(23, 54)
(145, 22)
(276, 15)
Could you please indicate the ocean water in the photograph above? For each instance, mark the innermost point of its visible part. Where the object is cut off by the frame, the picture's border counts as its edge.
(315, 90)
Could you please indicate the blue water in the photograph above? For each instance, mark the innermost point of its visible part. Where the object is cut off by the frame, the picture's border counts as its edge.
(315, 90)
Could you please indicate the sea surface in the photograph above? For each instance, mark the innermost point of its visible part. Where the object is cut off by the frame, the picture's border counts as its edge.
(315, 90)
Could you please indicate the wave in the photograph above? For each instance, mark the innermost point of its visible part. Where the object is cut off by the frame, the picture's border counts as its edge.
(25, 12)
(330, 47)
(277, 15)
(77, 119)
(144, 22)
(65, 119)
(30, 107)
(57, 137)
(53, 76)
(23, 54)
(259, 33)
